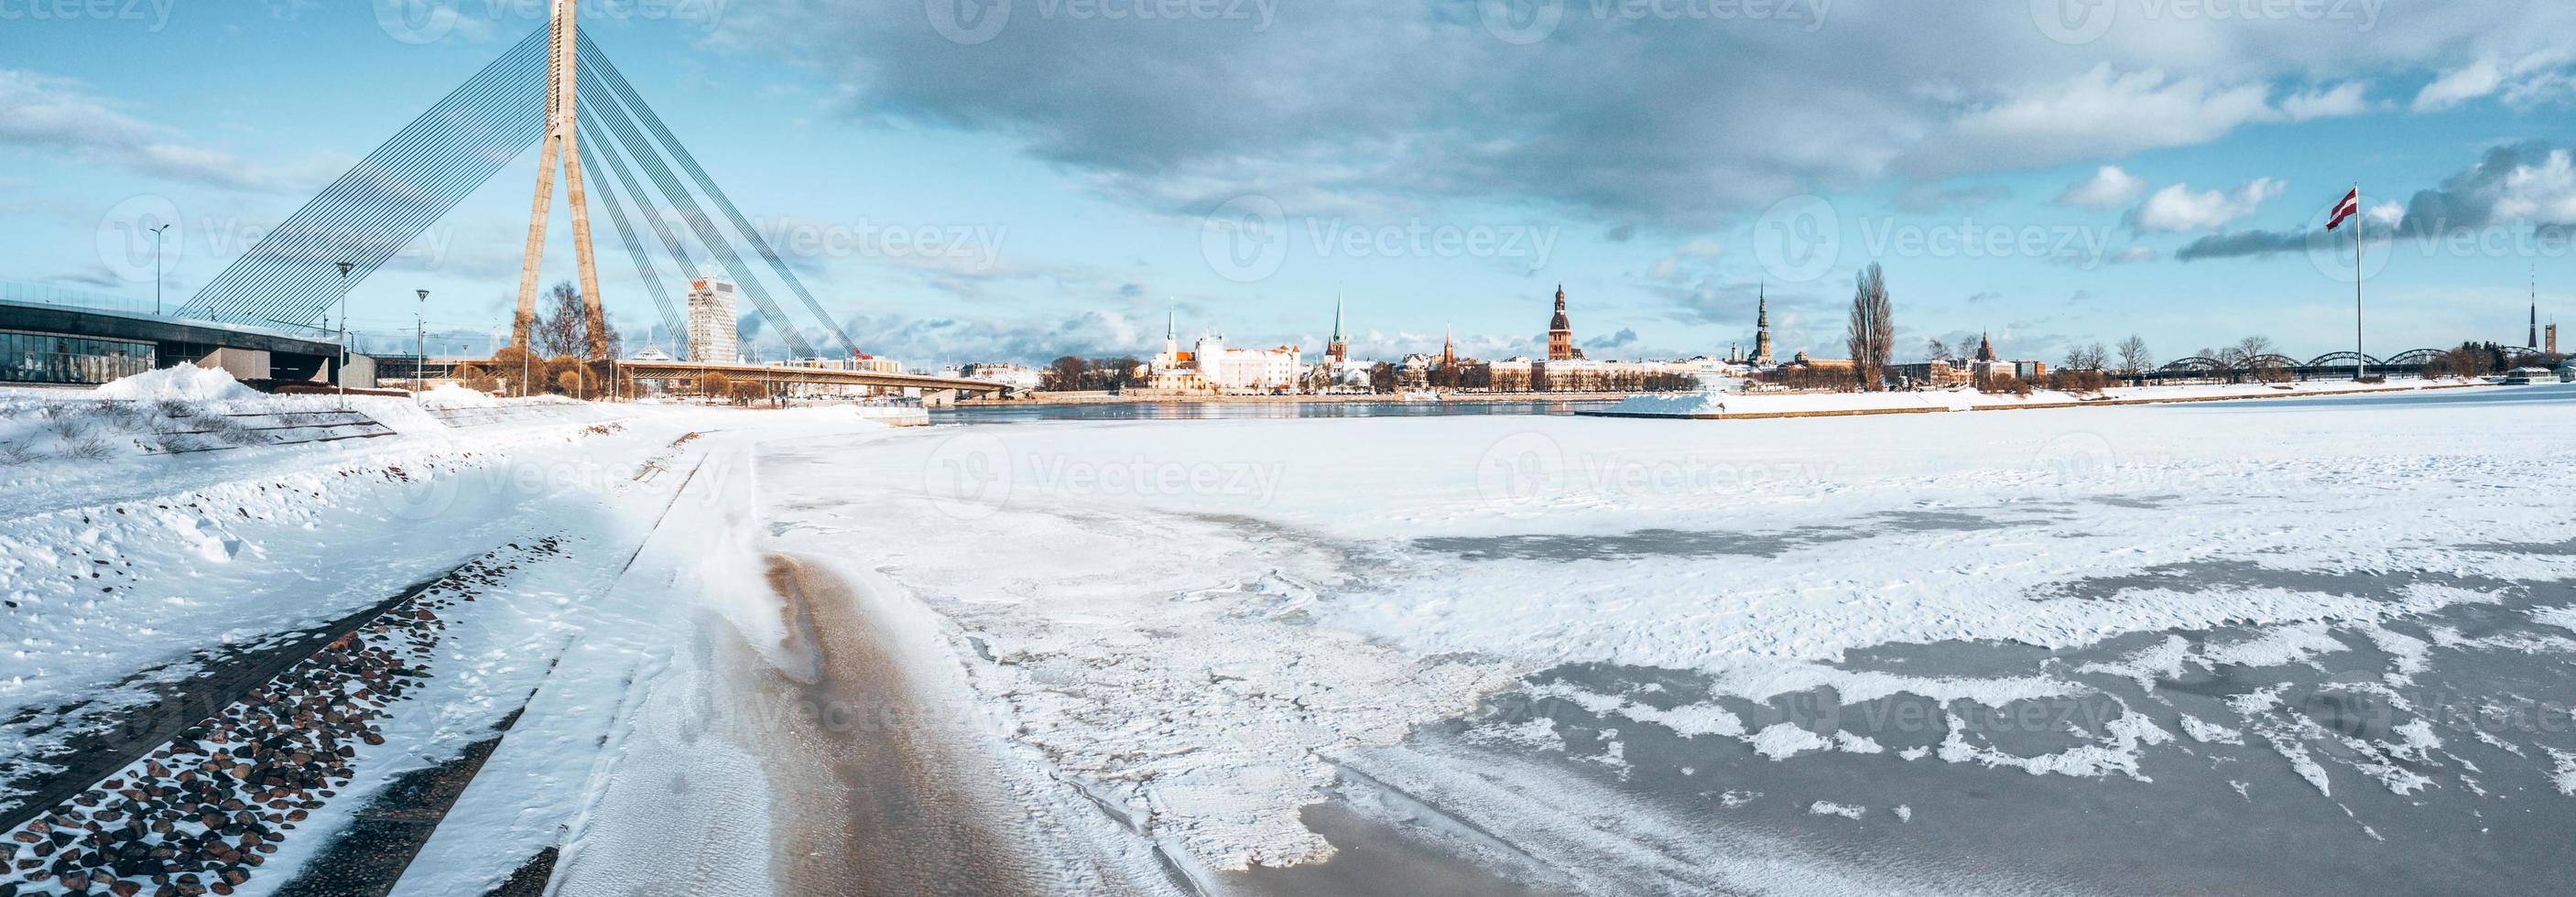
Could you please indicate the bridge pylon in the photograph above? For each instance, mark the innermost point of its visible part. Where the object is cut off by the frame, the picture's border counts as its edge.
(561, 146)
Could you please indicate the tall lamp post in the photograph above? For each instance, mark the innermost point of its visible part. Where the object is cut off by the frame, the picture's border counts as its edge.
(419, 343)
(157, 240)
(340, 371)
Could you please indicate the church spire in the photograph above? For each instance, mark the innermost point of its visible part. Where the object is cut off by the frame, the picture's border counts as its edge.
(1762, 324)
(1339, 349)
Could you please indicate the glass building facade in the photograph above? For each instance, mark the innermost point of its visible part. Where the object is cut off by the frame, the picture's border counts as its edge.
(27, 357)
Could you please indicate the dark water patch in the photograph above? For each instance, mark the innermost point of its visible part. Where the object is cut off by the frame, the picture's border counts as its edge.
(1374, 856)
(2542, 549)
(1950, 657)
(2197, 576)
(1626, 546)
(2138, 502)
(1673, 543)
(2234, 814)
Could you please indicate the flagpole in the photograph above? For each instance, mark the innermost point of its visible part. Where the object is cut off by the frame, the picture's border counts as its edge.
(2360, 359)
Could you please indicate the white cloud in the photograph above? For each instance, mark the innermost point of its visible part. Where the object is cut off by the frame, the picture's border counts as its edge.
(2333, 102)
(64, 114)
(2133, 255)
(2460, 85)
(1405, 101)
(2109, 186)
(2544, 192)
(2100, 114)
(1675, 268)
(2523, 80)
(2177, 208)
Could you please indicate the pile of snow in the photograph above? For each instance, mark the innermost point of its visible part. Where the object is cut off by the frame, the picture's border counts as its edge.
(450, 395)
(185, 383)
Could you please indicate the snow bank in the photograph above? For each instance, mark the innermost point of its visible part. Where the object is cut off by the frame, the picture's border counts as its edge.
(185, 383)
(450, 395)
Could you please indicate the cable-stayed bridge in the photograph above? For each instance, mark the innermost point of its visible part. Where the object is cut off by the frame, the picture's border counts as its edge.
(556, 91)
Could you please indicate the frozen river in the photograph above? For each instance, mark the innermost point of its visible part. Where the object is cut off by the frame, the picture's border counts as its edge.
(2293, 646)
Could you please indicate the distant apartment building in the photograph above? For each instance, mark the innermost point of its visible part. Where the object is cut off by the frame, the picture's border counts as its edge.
(1003, 372)
(712, 338)
(1226, 367)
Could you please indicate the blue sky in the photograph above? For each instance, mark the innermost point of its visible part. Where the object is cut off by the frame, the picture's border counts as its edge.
(2054, 173)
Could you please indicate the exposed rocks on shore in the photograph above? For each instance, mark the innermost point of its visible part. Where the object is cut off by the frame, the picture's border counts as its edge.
(203, 812)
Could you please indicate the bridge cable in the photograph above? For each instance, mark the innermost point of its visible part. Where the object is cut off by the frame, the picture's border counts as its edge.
(370, 192)
(385, 201)
(332, 216)
(642, 151)
(677, 249)
(644, 267)
(689, 163)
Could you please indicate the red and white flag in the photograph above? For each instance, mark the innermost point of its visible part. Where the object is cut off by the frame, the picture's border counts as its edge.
(2350, 206)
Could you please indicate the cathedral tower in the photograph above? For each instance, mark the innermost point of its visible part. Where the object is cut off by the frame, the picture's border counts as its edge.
(1560, 332)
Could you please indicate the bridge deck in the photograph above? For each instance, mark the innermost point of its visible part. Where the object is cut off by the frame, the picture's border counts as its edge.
(676, 370)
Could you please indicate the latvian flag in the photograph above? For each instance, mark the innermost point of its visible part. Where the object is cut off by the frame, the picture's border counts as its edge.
(2350, 206)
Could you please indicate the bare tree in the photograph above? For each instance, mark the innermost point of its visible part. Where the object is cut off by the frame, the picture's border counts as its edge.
(1062, 375)
(2086, 358)
(2134, 359)
(2254, 357)
(1872, 334)
(1939, 351)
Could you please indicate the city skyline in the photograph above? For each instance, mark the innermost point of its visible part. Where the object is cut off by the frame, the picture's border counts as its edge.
(959, 223)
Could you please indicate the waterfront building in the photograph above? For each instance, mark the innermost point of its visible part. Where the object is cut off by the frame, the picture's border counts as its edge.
(712, 337)
(1229, 368)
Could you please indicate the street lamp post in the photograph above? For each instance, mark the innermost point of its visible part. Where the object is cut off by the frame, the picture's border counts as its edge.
(419, 343)
(340, 371)
(157, 241)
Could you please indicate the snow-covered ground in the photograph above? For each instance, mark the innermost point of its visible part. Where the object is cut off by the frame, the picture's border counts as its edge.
(1215, 619)
(1770, 404)
(2295, 645)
